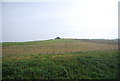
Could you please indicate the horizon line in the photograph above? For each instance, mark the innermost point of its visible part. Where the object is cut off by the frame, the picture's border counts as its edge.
(63, 38)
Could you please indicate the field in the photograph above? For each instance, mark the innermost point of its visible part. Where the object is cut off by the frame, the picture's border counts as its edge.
(57, 46)
(61, 59)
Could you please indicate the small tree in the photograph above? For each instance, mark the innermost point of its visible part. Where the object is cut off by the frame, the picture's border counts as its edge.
(57, 38)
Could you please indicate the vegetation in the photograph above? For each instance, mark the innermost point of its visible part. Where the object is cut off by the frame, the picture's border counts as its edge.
(100, 63)
(80, 65)
(57, 38)
(57, 46)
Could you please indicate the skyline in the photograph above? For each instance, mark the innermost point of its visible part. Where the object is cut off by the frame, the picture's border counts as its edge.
(25, 21)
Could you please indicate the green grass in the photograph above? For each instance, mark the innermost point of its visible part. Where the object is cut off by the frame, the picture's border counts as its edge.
(33, 42)
(60, 59)
(57, 40)
(78, 65)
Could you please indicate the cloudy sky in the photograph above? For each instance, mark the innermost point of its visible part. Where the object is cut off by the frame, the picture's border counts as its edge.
(28, 21)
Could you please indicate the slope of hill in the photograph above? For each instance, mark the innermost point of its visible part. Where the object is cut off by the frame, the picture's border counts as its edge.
(57, 46)
(60, 59)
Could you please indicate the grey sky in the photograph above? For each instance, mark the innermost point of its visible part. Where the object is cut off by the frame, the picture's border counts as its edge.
(0, 22)
(24, 21)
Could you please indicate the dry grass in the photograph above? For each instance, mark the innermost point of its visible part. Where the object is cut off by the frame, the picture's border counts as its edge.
(56, 47)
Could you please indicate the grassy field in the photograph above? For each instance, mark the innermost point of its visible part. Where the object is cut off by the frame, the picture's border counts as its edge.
(57, 46)
(60, 59)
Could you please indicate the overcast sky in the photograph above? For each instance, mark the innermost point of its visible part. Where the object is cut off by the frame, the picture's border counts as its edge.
(28, 21)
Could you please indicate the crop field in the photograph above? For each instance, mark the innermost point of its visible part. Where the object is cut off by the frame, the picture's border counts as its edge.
(57, 46)
(60, 59)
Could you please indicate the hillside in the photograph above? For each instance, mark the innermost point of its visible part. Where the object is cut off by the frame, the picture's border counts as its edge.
(60, 59)
(57, 46)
